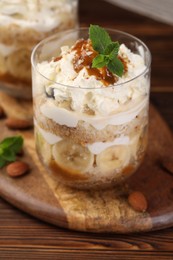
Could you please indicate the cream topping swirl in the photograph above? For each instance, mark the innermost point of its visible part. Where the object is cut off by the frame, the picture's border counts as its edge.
(85, 92)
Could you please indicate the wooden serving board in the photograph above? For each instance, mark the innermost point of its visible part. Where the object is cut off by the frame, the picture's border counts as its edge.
(39, 194)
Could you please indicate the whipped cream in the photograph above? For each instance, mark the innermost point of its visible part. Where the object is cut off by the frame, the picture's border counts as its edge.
(66, 117)
(41, 15)
(99, 147)
(83, 91)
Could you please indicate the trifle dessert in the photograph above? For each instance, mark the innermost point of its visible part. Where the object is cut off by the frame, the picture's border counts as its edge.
(23, 23)
(91, 95)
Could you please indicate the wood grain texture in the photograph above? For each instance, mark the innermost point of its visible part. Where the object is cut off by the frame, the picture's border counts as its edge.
(24, 237)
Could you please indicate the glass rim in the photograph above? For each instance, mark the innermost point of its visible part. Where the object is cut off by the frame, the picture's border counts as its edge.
(47, 39)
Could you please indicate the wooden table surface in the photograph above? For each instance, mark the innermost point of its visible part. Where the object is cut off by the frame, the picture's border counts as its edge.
(24, 237)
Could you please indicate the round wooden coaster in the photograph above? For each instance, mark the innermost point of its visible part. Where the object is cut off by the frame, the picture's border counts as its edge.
(39, 194)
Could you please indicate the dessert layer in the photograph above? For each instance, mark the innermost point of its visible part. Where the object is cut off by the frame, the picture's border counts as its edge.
(69, 118)
(94, 148)
(84, 132)
(15, 34)
(77, 164)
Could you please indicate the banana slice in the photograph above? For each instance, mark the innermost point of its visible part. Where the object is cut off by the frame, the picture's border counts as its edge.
(18, 64)
(72, 158)
(114, 157)
(44, 149)
(3, 68)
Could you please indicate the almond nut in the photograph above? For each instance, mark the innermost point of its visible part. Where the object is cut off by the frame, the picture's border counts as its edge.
(167, 164)
(17, 168)
(137, 201)
(14, 123)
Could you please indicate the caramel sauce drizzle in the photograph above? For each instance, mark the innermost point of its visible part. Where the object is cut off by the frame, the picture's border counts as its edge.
(84, 57)
(57, 58)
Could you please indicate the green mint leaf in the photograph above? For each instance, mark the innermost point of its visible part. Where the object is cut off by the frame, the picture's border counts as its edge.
(14, 143)
(9, 155)
(112, 50)
(2, 162)
(1, 151)
(99, 38)
(116, 67)
(9, 147)
(100, 61)
(108, 51)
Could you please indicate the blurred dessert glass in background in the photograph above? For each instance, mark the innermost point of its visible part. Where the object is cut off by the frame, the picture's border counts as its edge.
(23, 23)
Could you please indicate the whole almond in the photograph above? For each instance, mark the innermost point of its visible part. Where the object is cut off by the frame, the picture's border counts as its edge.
(14, 123)
(167, 164)
(137, 201)
(17, 168)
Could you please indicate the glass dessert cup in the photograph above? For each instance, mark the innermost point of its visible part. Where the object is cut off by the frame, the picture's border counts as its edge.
(22, 25)
(102, 143)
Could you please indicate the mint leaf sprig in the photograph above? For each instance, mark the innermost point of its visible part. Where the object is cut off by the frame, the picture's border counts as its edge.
(107, 49)
(9, 148)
